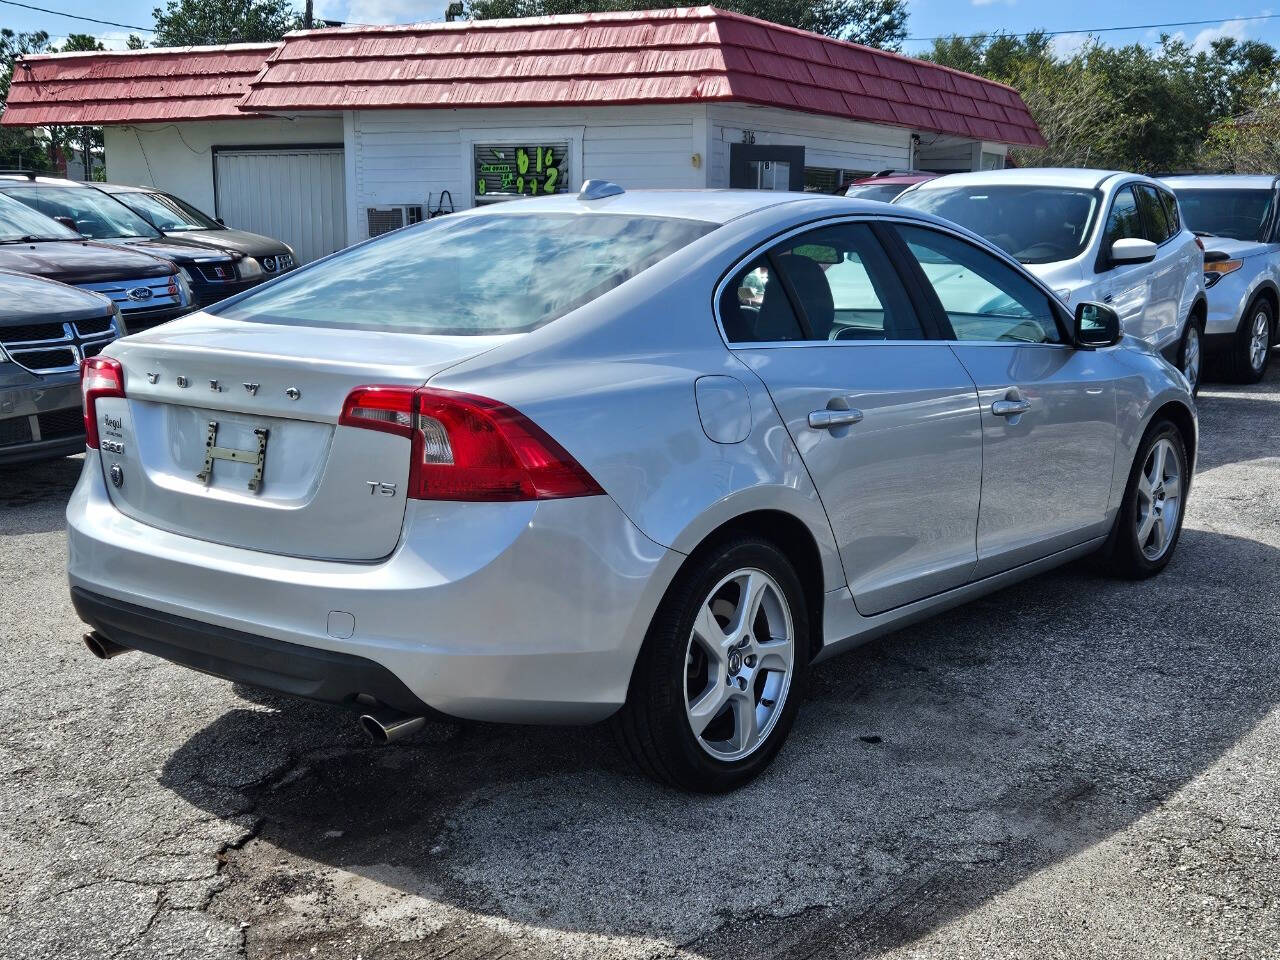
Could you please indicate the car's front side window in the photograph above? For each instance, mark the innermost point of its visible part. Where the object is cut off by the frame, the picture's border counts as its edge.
(1155, 221)
(982, 298)
(1123, 222)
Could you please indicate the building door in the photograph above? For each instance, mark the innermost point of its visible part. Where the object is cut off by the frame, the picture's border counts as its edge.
(765, 167)
(294, 194)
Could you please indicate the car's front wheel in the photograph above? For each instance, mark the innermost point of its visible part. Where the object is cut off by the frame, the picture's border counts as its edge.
(1251, 351)
(719, 677)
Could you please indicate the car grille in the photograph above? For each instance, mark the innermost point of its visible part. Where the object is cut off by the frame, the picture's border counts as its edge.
(209, 272)
(277, 264)
(57, 347)
(141, 296)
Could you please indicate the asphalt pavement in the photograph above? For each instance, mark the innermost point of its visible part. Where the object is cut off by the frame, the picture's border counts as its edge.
(1072, 768)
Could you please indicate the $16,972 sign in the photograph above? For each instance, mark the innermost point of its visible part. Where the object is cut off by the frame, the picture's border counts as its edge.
(509, 170)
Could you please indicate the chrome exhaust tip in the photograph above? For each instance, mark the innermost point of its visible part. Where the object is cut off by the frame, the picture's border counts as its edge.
(103, 648)
(386, 726)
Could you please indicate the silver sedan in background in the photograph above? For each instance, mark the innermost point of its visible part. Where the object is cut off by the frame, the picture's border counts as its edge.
(642, 456)
(1237, 217)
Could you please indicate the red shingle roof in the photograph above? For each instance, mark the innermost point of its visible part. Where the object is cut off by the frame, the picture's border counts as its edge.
(695, 54)
(134, 86)
(654, 56)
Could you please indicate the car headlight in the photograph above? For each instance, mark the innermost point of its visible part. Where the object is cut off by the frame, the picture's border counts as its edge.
(1215, 270)
(184, 286)
(249, 268)
(187, 275)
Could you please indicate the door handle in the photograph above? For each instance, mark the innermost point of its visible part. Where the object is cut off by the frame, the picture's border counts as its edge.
(1010, 408)
(826, 419)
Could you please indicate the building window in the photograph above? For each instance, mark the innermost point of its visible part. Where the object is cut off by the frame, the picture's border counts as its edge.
(504, 171)
(992, 161)
(822, 179)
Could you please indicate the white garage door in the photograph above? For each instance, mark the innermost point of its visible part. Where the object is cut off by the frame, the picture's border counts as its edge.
(293, 194)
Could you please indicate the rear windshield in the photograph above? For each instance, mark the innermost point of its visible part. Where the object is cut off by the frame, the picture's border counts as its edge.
(471, 275)
(876, 191)
(1033, 224)
(1238, 214)
(18, 222)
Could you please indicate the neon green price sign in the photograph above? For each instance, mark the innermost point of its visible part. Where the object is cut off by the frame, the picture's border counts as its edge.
(505, 170)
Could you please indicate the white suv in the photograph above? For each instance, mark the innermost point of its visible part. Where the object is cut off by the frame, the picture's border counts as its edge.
(1093, 235)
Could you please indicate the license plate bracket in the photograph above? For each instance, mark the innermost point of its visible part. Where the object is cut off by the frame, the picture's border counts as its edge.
(214, 452)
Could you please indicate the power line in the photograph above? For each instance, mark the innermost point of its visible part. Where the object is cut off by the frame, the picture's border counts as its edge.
(76, 16)
(1059, 33)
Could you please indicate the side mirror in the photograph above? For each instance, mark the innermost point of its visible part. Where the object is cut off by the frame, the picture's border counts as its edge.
(219, 221)
(68, 223)
(1132, 250)
(1097, 325)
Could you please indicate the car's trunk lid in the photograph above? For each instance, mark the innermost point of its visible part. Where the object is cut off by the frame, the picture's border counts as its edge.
(205, 396)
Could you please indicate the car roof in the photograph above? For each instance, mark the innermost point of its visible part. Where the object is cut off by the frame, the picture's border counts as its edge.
(1082, 179)
(19, 179)
(712, 206)
(1223, 181)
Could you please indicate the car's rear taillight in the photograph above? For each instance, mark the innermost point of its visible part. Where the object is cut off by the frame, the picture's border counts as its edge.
(99, 377)
(465, 447)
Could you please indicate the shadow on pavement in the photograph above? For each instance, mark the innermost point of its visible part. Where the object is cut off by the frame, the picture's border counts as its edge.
(927, 772)
(33, 496)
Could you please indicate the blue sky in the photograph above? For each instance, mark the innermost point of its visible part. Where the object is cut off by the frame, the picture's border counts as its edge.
(928, 17)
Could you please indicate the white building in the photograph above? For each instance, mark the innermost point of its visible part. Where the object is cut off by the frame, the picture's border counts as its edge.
(333, 134)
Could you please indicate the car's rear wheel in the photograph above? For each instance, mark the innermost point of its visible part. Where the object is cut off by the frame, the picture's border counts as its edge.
(720, 675)
(1191, 354)
(1150, 520)
(1251, 350)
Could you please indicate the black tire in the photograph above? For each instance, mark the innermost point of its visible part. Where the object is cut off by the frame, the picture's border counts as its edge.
(653, 726)
(1238, 361)
(1192, 338)
(1124, 555)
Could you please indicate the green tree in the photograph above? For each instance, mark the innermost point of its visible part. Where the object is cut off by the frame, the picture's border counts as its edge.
(877, 23)
(85, 141)
(20, 147)
(1149, 109)
(189, 22)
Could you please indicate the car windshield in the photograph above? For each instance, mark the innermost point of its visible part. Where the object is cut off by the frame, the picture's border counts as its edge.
(95, 214)
(18, 222)
(1033, 224)
(876, 191)
(471, 275)
(1238, 214)
(168, 213)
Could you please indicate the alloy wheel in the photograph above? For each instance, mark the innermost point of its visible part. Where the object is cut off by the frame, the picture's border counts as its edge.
(1191, 355)
(739, 663)
(1159, 499)
(1259, 340)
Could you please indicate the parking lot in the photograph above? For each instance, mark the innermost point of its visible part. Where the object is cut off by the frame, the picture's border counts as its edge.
(1072, 768)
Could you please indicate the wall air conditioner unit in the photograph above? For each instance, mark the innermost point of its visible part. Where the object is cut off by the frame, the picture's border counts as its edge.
(385, 219)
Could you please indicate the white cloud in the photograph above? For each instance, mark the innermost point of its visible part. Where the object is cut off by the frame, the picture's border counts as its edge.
(380, 11)
(1067, 45)
(112, 39)
(1235, 29)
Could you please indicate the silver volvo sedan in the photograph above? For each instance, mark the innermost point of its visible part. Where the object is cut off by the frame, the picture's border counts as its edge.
(643, 456)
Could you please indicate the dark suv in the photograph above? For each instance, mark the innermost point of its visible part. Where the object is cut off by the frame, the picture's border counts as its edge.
(211, 274)
(179, 220)
(47, 326)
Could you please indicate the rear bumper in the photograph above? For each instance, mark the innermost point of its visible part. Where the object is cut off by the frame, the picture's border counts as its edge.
(289, 668)
(39, 417)
(516, 612)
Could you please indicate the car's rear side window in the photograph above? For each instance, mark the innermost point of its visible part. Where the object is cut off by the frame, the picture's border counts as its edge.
(1154, 215)
(471, 275)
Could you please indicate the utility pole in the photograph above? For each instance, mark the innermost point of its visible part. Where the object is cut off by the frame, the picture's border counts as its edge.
(308, 15)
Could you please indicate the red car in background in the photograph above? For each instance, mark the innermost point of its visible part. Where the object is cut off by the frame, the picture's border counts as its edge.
(885, 185)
